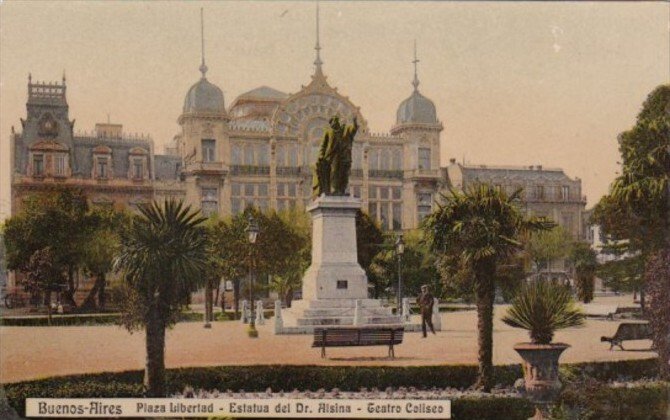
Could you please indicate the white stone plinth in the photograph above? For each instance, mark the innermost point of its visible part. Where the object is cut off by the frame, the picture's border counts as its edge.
(335, 272)
(335, 287)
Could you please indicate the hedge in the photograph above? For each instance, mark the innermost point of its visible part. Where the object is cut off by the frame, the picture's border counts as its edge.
(258, 378)
(101, 319)
(592, 400)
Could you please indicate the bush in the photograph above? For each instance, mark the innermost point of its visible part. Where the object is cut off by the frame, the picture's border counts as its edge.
(60, 320)
(590, 399)
(346, 378)
(491, 408)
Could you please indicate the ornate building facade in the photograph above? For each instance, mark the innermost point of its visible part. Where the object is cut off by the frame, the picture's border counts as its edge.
(113, 169)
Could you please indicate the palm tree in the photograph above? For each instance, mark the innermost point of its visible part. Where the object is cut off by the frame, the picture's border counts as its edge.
(164, 259)
(478, 230)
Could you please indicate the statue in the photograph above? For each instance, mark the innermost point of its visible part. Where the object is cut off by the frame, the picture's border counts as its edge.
(333, 165)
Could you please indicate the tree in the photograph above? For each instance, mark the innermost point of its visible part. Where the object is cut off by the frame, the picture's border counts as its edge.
(103, 242)
(475, 231)
(48, 220)
(583, 259)
(44, 273)
(163, 259)
(546, 246)
(369, 242)
(658, 287)
(417, 264)
(275, 252)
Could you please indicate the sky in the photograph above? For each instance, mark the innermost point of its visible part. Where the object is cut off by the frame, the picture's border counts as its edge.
(514, 83)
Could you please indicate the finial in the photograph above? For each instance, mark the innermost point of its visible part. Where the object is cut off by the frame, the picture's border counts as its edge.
(415, 82)
(318, 61)
(30, 78)
(64, 77)
(203, 67)
(108, 120)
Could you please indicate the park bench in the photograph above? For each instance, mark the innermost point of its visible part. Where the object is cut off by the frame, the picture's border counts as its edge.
(600, 311)
(357, 336)
(629, 331)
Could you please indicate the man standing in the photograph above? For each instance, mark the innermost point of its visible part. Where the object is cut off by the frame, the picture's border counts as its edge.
(426, 305)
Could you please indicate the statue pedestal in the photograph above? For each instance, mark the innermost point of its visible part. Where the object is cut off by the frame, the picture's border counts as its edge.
(335, 282)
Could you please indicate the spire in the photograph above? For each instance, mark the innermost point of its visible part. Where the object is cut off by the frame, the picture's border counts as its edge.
(317, 62)
(203, 66)
(64, 77)
(415, 82)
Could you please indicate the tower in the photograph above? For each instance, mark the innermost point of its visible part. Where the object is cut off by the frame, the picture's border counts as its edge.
(203, 142)
(417, 124)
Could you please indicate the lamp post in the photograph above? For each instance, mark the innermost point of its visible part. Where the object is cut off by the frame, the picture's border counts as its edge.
(252, 235)
(399, 250)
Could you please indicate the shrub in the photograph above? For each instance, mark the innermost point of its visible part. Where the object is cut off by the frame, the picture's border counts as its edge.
(491, 408)
(542, 307)
(589, 399)
(657, 278)
(346, 378)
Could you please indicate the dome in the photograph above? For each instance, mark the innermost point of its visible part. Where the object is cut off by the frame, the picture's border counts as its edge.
(416, 109)
(204, 97)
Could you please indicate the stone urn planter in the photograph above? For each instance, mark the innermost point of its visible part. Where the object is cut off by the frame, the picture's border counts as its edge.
(540, 369)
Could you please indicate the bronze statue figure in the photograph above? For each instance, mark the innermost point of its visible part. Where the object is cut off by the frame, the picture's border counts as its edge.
(333, 165)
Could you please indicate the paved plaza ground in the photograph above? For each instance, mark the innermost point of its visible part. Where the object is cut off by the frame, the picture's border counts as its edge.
(36, 352)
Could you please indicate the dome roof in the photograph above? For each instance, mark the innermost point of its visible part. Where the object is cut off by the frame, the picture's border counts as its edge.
(416, 109)
(204, 97)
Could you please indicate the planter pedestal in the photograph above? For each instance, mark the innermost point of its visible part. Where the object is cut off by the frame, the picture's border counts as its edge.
(540, 372)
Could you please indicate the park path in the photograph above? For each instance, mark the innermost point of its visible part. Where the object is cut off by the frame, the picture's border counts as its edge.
(37, 352)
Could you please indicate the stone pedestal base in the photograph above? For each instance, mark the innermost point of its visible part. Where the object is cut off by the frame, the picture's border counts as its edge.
(335, 282)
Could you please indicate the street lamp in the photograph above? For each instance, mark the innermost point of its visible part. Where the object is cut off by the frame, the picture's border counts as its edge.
(252, 235)
(399, 250)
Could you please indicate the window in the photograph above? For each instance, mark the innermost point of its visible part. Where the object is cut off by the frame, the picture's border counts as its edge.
(397, 193)
(262, 190)
(424, 207)
(38, 165)
(59, 165)
(565, 190)
(208, 150)
(397, 216)
(235, 205)
(384, 193)
(385, 163)
(357, 157)
(138, 169)
(384, 215)
(248, 190)
(249, 154)
(292, 155)
(424, 158)
(539, 192)
(396, 164)
(236, 154)
(356, 191)
(281, 190)
(372, 210)
(291, 190)
(372, 191)
(102, 167)
(373, 159)
(280, 155)
(235, 188)
(209, 201)
(262, 155)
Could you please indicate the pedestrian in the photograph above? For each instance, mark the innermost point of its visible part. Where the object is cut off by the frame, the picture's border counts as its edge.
(426, 305)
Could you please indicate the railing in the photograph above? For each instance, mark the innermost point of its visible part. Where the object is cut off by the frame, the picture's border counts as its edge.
(383, 173)
(249, 170)
(357, 173)
(288, 170)
(204, 166)
(430, 173)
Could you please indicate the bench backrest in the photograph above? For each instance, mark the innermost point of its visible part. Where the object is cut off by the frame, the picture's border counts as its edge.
(633, 331)
(357, 336)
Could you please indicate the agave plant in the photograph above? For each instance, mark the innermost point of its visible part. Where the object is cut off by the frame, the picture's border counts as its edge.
(542, 307)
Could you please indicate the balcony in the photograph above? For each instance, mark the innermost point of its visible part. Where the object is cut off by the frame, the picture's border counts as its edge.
(357, 173)
(383, 173)
(252, 170)
(289, 170)
(204, 167)
(424, 174)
